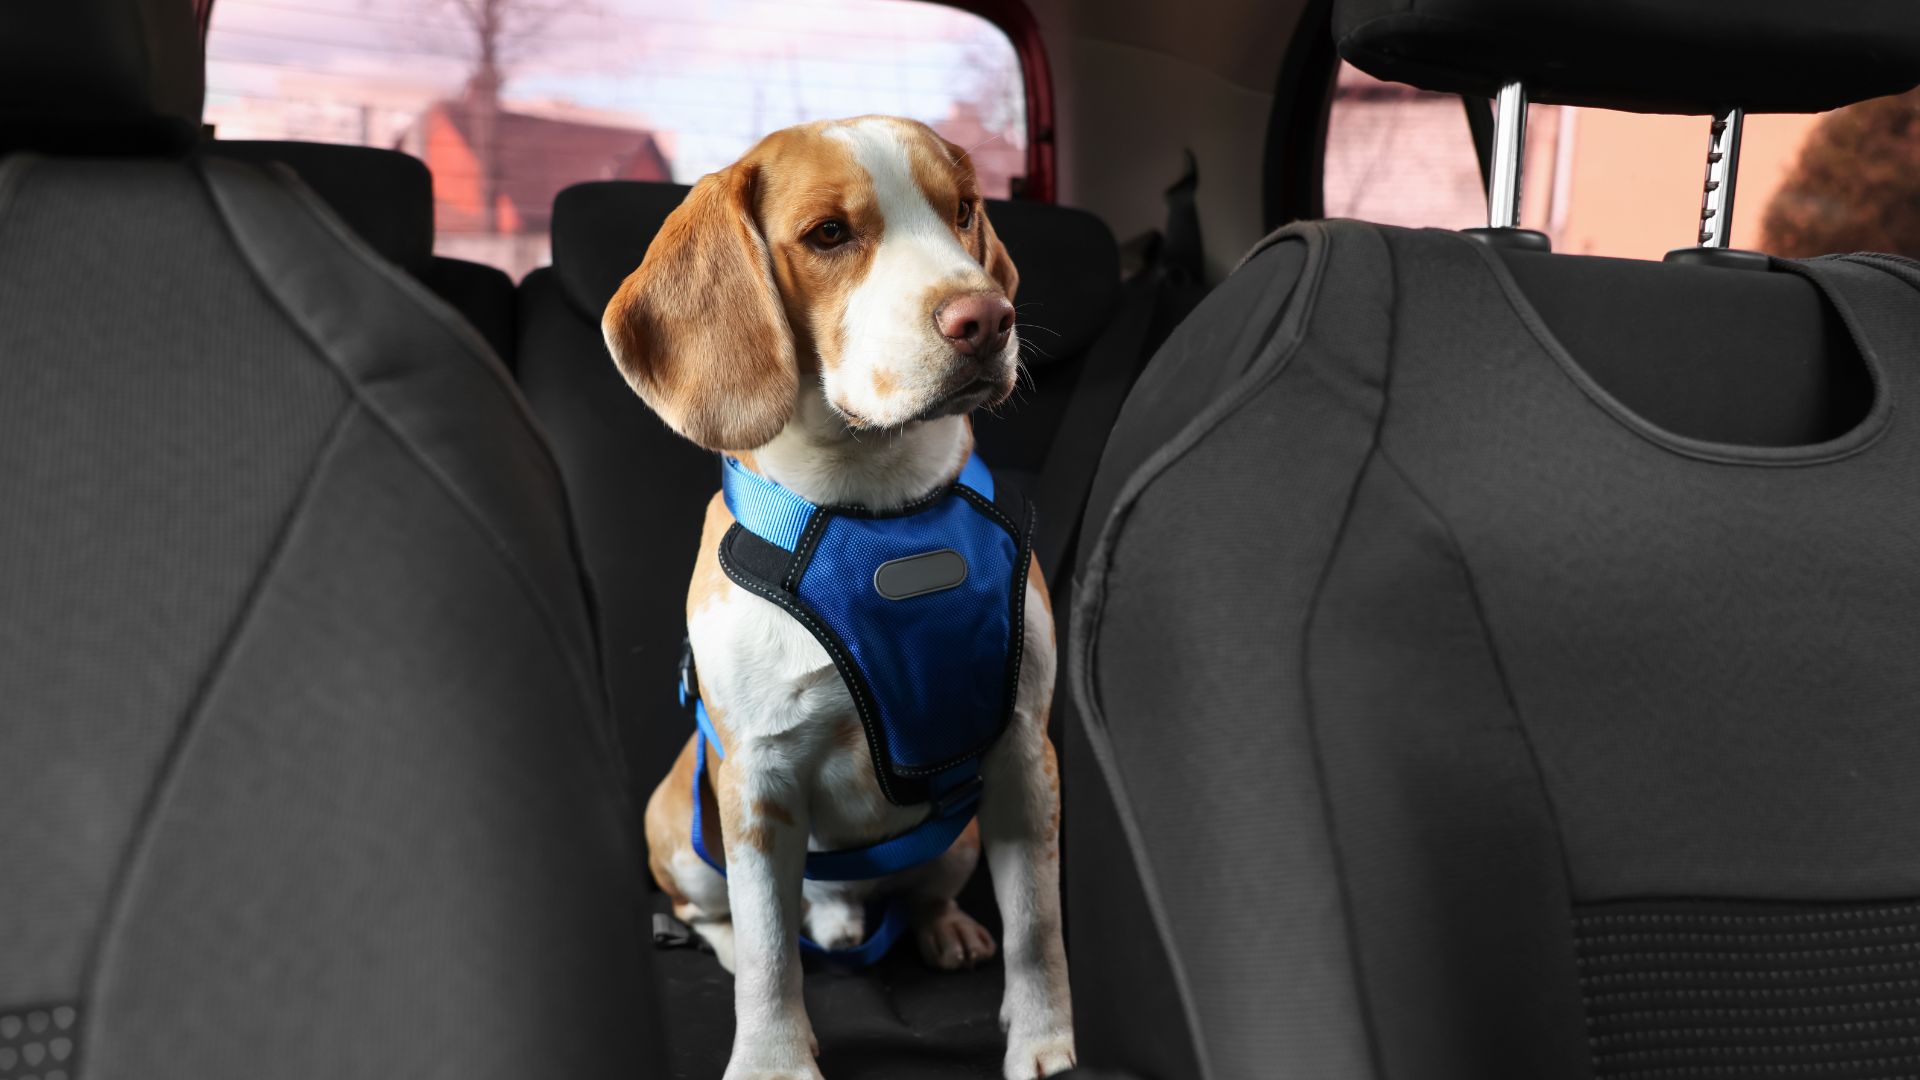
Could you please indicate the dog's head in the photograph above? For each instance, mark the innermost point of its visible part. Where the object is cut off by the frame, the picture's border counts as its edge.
(848, 258)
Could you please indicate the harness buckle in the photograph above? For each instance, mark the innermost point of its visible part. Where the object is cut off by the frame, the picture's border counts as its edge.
(689, 682)
(961, 794)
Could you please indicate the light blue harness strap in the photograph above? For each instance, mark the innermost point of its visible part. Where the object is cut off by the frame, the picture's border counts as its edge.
(779, 516)
(763, 507)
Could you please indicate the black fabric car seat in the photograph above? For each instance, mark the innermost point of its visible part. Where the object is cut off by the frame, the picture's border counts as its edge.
(305, 763)
(1467, 701)
(640, 491)
(386, 197)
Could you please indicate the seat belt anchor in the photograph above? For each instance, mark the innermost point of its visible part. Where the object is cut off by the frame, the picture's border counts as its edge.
(689, 676)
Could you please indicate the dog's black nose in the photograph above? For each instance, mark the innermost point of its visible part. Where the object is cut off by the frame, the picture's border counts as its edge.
(975, 323)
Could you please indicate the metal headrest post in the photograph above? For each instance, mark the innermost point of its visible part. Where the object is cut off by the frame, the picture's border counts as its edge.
(1509, 157)
(1723, 168)
(1716, 202)
(1505, 174)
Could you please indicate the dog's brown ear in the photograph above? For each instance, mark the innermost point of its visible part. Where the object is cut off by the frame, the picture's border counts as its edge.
(698, 329)
(998, 263)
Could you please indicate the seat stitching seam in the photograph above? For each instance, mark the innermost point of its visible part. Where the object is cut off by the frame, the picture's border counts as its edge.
(454, 492)
(160, 790)
(1091, 601)
(1491, 644)
(1349, 928)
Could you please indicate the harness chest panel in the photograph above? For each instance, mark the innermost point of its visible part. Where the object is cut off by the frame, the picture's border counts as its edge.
(921, 610)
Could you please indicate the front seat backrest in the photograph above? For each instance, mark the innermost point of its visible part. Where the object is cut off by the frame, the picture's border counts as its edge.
(1465, 723)
(305, 768)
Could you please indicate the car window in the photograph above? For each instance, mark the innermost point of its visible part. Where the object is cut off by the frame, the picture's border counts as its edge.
(509, 101)
(1627, 184)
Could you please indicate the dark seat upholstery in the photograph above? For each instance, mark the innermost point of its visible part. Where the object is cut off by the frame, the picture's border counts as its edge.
(386, 197)
(305, 764)
(1469, 699)
(639, 493)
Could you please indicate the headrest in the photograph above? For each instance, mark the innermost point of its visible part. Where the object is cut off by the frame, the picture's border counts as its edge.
(600, 233)
(1068, 261)
(384, 196)
(99, 76)
(1069, 269)
(1656, 56)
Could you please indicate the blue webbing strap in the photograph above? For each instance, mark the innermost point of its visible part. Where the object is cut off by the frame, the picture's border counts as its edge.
(923, 843)
(779, 516)
(763, 507)
(893, 919)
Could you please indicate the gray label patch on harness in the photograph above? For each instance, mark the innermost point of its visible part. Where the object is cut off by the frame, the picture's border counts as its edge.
(918, 575)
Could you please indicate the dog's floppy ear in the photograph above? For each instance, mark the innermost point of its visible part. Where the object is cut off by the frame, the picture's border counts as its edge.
(998, 263)
(698, 329)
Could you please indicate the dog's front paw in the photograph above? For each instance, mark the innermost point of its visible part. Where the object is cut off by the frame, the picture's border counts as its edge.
(950, 939)
(1039, 1056)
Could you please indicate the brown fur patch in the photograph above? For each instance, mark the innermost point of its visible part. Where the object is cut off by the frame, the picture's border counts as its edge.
(852, 737)
(767, 808)
(669, 822)
(1050, 764)
(698, 329)
(1039, 582)
(710, 582)
(945, 174)
(809, 178)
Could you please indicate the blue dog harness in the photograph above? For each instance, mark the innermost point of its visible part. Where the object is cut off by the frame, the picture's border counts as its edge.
(922, 611)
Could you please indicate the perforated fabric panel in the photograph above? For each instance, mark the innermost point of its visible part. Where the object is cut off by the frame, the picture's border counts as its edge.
(937, 663)
(1486, 647)
(39, 1043)
(153, 438)
(1796, 992)
(304, 769)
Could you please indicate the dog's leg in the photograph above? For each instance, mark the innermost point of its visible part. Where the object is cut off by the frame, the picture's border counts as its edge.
(763, 812)
(1020, 826)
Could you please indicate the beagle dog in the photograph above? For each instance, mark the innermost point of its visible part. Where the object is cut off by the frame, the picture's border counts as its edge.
(826, 312)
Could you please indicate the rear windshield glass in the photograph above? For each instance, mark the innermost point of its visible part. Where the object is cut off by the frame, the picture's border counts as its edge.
(509, 101)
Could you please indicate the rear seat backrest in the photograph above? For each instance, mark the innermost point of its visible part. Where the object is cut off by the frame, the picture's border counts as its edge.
(639, 491)
(387, 198)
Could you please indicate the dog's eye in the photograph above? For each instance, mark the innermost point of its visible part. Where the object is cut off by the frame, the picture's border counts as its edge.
(965, 218)
(829, 234)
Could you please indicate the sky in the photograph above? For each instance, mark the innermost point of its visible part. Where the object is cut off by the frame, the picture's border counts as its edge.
(710, 76)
